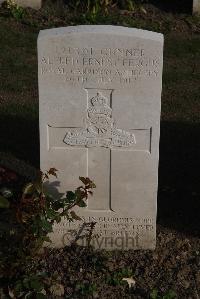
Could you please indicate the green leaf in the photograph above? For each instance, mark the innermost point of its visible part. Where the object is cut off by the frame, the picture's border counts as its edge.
(74, 216)
(78, 194)
(154, 294)
(4, 203)
(81, 203)
(36, 285)
(29, 295)
(46, 225)
(18, 286)
(170, 295)
(71, 196)
(40, 296)
(51, 213)
(57, 205)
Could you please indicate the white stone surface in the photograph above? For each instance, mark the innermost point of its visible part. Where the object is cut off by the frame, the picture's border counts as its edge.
(100, 96)
(196, 6)
(30, 3)
(27, 3)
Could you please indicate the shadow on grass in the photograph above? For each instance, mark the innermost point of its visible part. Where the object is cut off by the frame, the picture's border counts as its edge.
(19, 137)
(179, 177)
(175, 6)
(179, 170)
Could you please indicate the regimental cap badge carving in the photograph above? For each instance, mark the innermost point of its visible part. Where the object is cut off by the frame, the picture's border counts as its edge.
(99, 105)
(100, 129)
(99, 100)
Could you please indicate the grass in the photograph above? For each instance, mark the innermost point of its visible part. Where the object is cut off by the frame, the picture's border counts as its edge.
(18, 92)
(181, 75)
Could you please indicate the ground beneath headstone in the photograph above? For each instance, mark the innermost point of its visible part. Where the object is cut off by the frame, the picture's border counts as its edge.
(173, 268)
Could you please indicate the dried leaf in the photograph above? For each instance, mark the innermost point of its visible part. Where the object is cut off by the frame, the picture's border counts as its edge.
(11, 294)
(143, 10)
(28, 189)
(52, 171)
(92, 185)
(131, 282)
(57, 290)
(84, 180)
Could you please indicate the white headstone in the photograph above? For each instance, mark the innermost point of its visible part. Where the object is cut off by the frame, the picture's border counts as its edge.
(196, 6)
(100, 96)
(36, 4)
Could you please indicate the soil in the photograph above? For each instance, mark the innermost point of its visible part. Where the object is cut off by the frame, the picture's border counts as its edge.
(172, 268)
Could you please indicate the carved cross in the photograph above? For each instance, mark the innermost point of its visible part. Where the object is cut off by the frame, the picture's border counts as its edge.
(101, 137)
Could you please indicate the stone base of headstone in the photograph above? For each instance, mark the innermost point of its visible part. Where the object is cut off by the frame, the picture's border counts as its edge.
(196, 6)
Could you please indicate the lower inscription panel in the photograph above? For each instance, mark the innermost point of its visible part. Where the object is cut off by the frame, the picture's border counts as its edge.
(110, 232)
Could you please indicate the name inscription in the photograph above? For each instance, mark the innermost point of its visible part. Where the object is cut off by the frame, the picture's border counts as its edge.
(107, 65)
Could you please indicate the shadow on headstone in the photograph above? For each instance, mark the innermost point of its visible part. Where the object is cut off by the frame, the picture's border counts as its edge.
(52, 188)
(179, 177)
